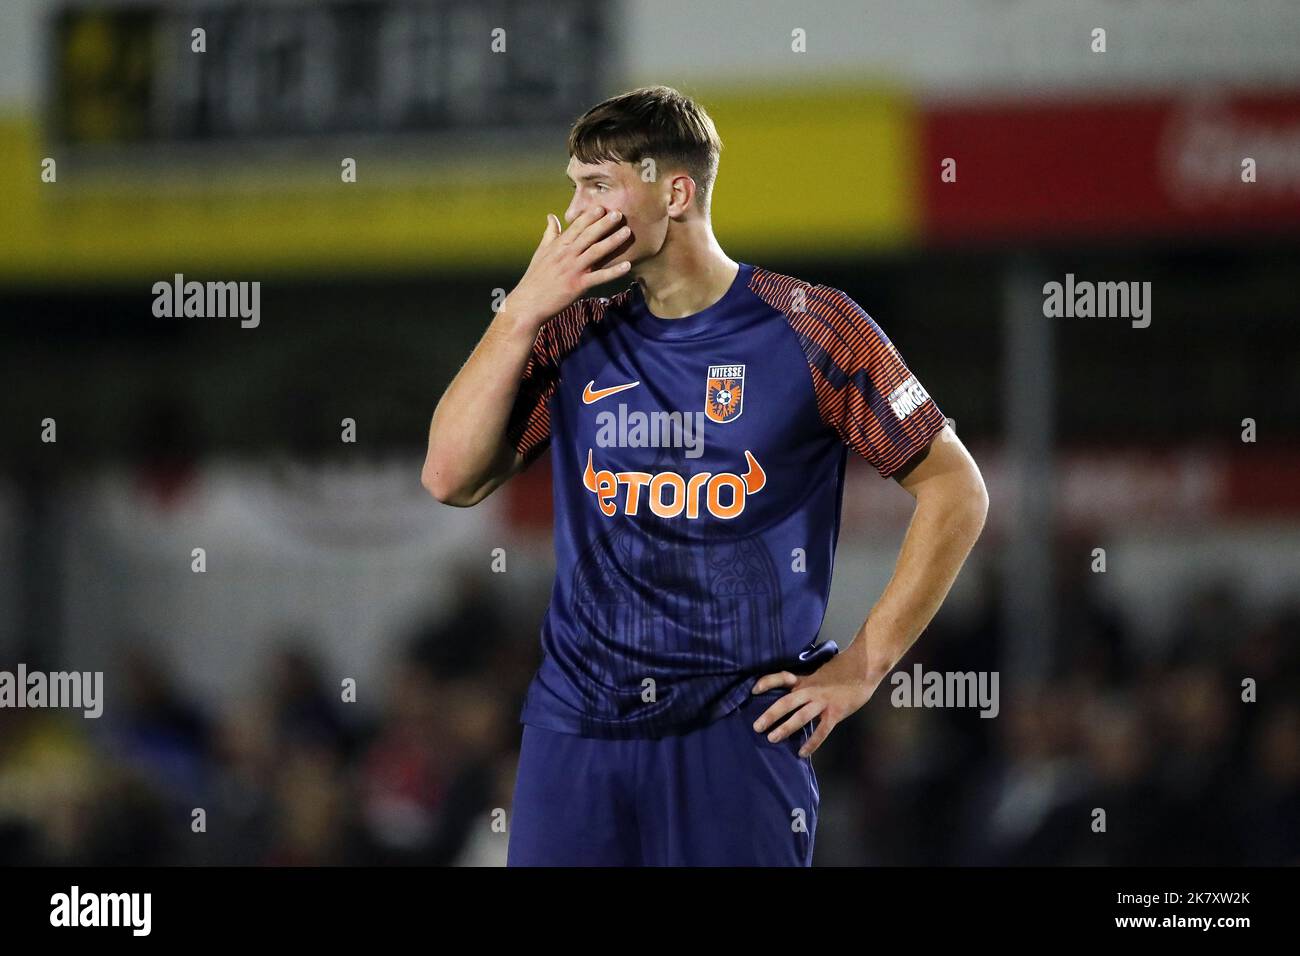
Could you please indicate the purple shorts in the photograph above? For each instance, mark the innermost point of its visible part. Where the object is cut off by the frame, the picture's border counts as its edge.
(720, 795)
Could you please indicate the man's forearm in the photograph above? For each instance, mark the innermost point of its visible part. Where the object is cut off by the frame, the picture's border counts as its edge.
(467, 433)
(944, 528)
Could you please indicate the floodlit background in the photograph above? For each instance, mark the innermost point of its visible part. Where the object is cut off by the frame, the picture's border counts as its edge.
(1167, 454)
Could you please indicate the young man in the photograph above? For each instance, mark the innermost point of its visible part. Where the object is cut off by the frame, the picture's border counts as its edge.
(699, 424)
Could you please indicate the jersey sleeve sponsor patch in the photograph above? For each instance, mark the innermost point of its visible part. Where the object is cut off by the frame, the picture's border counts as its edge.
(864, 389)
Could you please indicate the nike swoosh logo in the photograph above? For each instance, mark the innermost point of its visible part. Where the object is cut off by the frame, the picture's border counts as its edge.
(590, 394)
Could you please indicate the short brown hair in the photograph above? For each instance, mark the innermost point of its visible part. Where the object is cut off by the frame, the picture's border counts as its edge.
(655, 122)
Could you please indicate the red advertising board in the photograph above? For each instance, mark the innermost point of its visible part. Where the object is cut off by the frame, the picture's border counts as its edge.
(1072, 169)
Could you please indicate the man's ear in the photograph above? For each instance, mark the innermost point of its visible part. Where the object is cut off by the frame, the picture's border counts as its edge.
(682, 195)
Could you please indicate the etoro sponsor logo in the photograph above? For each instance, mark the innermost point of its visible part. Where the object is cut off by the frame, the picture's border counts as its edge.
(670, 495)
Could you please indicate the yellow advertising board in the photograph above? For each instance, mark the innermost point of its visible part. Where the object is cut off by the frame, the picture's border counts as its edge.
(830, 171)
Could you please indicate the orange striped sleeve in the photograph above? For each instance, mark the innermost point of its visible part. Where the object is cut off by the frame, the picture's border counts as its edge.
(864, 389)
(529, 425)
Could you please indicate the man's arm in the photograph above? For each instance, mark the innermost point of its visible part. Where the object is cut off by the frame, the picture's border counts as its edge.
(951, 504)
(469, 455)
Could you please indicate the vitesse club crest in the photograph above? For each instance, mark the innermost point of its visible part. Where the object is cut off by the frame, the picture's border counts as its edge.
(724, 398)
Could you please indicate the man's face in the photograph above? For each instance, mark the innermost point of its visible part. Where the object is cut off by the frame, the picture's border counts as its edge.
(613, 185)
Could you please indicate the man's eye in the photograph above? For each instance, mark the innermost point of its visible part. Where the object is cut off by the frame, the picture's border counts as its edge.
(601, 186)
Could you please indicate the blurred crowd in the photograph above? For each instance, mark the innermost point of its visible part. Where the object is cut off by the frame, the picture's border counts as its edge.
(1133, 751)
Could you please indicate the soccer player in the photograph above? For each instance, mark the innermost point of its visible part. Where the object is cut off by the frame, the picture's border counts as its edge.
(699, 423)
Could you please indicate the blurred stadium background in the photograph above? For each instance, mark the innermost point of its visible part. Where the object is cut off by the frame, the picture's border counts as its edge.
(327, 560)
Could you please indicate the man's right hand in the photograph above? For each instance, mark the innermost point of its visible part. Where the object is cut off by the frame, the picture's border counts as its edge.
(561, 268)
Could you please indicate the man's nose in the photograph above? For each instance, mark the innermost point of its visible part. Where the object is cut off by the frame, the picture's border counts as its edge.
(576, 209)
